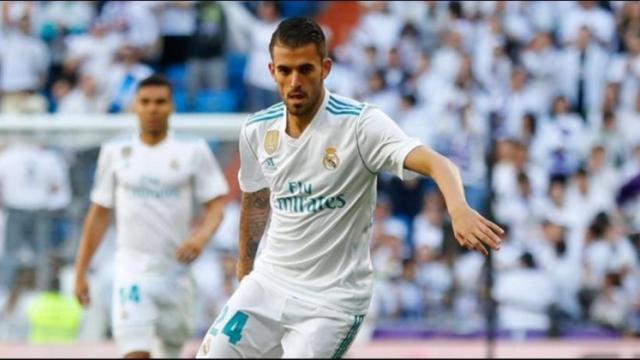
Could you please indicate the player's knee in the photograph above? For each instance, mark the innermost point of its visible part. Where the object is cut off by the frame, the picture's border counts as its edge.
(137, 355)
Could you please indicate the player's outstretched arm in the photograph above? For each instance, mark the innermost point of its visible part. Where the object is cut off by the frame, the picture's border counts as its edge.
(192, 247)
(254, 215)
(471, 229)
(95, 225)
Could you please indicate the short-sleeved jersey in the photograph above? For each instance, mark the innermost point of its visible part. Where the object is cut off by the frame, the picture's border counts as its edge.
(323, 193)
(152, 190)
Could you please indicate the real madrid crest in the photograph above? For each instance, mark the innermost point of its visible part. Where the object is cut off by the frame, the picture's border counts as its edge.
(174, 164)
(330, 159)
(271, 141)
(126, 151)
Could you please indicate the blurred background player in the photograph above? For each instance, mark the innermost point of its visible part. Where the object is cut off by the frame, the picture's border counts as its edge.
(312, 164)
(151, 179)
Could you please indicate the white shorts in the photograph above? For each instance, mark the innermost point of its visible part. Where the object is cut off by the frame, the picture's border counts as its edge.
(260, 321)
(152, 313)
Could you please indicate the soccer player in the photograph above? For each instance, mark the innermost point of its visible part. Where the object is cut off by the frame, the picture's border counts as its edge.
(151, 180)
(309, 166)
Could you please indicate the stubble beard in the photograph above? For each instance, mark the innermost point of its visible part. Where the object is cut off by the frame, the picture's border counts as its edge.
(305, 109)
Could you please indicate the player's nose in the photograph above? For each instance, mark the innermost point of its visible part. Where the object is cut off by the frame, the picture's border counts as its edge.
(295, 80)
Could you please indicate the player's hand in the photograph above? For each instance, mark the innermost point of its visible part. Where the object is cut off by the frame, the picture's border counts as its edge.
(81, 290)
(189, 250)
(474, 231)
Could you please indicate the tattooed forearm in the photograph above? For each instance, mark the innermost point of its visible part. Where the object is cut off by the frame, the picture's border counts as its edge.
(253, 220)
(258, 200)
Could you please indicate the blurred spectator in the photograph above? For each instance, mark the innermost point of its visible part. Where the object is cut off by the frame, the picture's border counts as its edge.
(206, 64)
(465, 146)
(559, 147)
(60, 89)
(342, 79)
(508, 257)
(415, 120)
(524, 296)
(611, 307)
(84, 98)
(516, 210)
(388, 245)
(632, 165)
(395, 75)
(34, 181)
(558, 254)
(388, 249)
(67, 17)
(516, 101)
(124, 76)
(436, 281)
(377, 27)
(379, 93)
(630, 123)
(611, 135)
(491, 62)
(583, 194)
(447, 58)
(24, 61)
(603, 175)
(628, 21)
(588, 14)
(555, 205)
(261, 87)
(177, 22)
(60, 20)
(410, 295)
(468, 277)
(625, 71)
(606, 250)
(582, 72)
(428, 225)
(135, 22)
(409, 48)
(540, 59)
(92, 52)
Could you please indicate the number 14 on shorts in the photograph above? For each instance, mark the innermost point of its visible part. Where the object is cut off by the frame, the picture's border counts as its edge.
(233, 327)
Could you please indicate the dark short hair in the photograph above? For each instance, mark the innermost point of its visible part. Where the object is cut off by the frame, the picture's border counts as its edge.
(156, 80)
(297, 32)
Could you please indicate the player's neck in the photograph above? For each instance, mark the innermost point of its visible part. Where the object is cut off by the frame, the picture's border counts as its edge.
(296, 124)
(152, 138)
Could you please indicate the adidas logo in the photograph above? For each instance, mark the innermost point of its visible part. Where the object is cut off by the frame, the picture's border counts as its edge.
(269, 164)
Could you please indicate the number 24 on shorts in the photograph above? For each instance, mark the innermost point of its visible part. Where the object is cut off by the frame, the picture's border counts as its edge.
(130, 294)
(233, 327)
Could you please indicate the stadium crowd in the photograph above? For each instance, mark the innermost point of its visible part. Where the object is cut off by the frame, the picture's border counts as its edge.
(537, 102)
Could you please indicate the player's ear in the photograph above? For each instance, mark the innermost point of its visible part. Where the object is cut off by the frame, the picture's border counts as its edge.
(272, 71)
(327, 63)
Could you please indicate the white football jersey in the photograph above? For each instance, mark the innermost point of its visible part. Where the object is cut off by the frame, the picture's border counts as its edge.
(323, 193)
(152, 189)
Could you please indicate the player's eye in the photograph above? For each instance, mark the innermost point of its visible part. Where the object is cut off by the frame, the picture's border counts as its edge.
(306, 69)
(284, 71)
